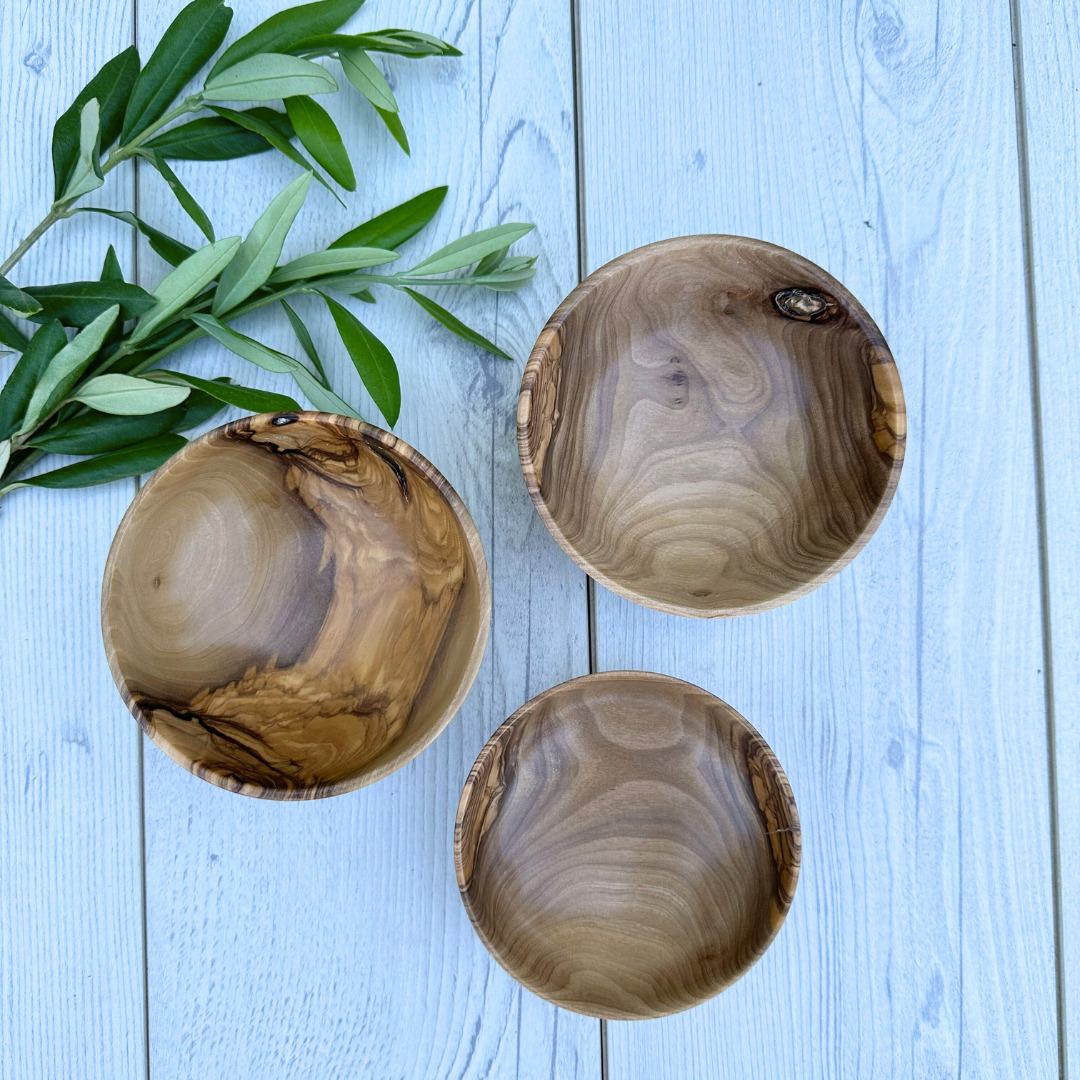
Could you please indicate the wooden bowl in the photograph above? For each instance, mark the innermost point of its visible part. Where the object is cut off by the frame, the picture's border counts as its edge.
(295, 605)
(711, 426)
(626, 845)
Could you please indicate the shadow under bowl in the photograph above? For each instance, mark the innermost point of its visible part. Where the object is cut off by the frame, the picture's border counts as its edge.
(295, 605)
(711, 426)
(626, 845)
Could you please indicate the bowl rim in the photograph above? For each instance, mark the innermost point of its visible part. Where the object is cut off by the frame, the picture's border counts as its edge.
(472, 536)
(550, 343)
(495, 745)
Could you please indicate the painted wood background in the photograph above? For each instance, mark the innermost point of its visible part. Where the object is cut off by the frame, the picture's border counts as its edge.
(922, 702)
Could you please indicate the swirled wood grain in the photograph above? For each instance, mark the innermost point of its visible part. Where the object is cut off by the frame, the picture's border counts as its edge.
(295, 605)
(711, 425)
(627, 845)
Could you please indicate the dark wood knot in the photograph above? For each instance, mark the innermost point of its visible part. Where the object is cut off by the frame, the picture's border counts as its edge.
(804, 304)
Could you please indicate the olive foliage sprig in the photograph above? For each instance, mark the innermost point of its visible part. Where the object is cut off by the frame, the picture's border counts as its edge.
(88, 380)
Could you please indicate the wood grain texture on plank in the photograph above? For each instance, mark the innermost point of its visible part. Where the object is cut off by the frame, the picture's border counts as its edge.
(905, 697)
(1049, 41)
(627, 845)
(368, 964)
(71, 994)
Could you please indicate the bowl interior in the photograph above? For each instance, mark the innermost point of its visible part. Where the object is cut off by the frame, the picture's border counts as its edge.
(295, 605)
(711, 425)
(627, 845)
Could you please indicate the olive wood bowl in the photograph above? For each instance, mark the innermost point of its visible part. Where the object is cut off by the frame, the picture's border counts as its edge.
(626, 845)
(295, 605)
(711, 426)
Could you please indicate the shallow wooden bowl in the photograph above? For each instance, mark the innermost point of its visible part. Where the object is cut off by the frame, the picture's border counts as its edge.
(295, 605)
(626, 845)
(711, 426)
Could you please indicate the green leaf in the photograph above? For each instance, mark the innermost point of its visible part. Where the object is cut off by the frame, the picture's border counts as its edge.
(189, 42)
(322, 398)
(365, 75)
(511, 275)
(5, 455)
(86, 172)
(141, 458)
(15, 299)
(491, 262)
(455, 325)
(280, 31)
(471, 248)
(15, 396)
(214, 138)
(261, 249)
(126, 395)
(172, 251)
(275, 138)
(111, 271)
(395, 127)
(372, 360)
(242, 397)
(183, 196)
(248, 348)
(79, 303)
(320, 136)
(269, 76)
(112, 88)
(11, 335)
(65, 369)
(302, 335)
(95, 433)
(392, 228)
(408, 43)
(186, 281)
(334, 261)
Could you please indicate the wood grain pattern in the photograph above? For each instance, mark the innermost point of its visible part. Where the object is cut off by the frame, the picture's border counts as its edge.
(711, 426)
(626, 845)
(71, 947)
(295, 605)
(1049, 43)
(905, 697)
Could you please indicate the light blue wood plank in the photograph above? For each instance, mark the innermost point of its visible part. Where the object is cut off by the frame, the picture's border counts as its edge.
(71, 992)
(905, 698)
(328, 939)
(1050, 55)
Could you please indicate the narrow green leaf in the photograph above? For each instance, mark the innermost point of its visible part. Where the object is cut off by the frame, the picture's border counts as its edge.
(365, 75)
(491, 262)
(11, 335)
(96, 433)
(242, 397)
(15, 299)
(321, 138)
(5, 455)
(269, 76)
(65, 368)
(248, 348)
(322, 398)
(86, 172)
(183, 196)
(395, 127)
(187, 280)
(372, 360)
(172, 251)
(334, 261)
(198, 408)
(276, 139)
(505, 279)
(189, 42)
(111, 271)
(408, 43)
(302, 335)
(258, 254)
(112, 88)
(471, 248)
(214, 138)
(455, 325)
(141, 458)
(126, 395)
(392, 228)
(15, 396)
(280, 31)
(79, 303)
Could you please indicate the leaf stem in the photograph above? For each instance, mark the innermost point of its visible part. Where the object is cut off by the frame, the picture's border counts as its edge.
(43, 226)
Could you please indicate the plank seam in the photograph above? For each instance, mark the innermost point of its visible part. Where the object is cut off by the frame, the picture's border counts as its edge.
(1028, 240)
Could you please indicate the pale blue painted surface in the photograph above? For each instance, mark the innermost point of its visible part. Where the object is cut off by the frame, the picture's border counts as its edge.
(906, 698)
